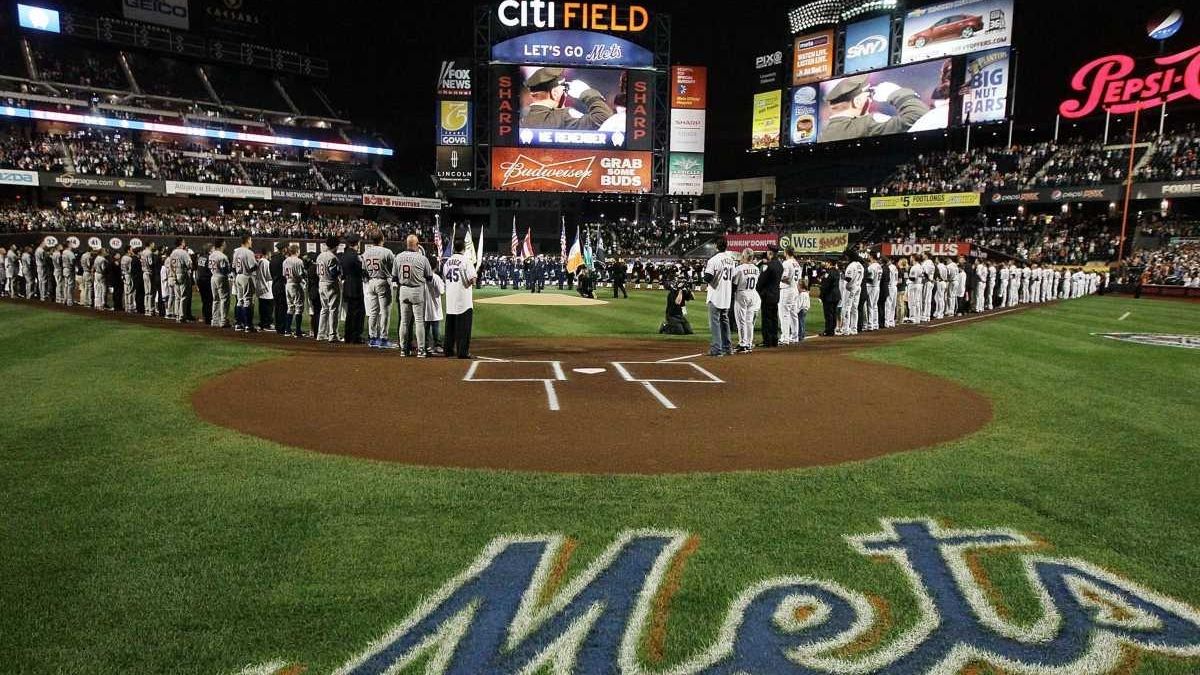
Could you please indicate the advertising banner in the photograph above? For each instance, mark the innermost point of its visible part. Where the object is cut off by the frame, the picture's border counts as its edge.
(768, 68)
(393, 202)
(585, 115)
(897, 100)
(812, 58)
(687, 130)
(559, 170)
(985, 87)
(802, 117)
(17, 177)
(171, 13)
(929, 201)
(217, 190)
(810, 243)
(764, 131)
(689, 87)
(956, 27)
(454, 79)
(1098, 193)
(506, 88)
(867, 45)
(1166, 190)
(639, 110)
(236, 18)
(757, 242)
(76, 181)
(938, 249)
(456, 166)
(685, 174)
(573, 48)
(454, 123)
(315, 196)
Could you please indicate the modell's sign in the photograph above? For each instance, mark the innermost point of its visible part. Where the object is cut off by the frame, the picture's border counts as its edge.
(1109, 83)
(570, 170)
(936, 249)
(603, 17)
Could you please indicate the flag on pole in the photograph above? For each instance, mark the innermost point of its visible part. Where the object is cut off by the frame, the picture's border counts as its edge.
(437, 241)
(516, 241)
(575, 257)
(562, 238)
(479, 262)
(469, 249)
(599, 247)
(527, 251)
(587, 255)
(453, 234)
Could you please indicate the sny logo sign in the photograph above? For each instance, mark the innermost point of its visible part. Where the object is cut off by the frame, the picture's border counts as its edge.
(502, 614)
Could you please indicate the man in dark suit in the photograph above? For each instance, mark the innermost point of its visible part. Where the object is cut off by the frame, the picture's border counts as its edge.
(204, 285)
(831, 295)
(279, 287)
(352, 290)
(768, 291)
(156, 282)
(885, 282)
(617, 271)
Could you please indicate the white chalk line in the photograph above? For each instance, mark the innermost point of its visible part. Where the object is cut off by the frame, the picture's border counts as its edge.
(1124, 316)
(666, 402)
(551, 395)
(679, 358)
(970, 318)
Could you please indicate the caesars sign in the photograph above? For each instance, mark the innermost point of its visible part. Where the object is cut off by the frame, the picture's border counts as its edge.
(1108, 83)
(559, 170)
(543, 14)
(937, 249)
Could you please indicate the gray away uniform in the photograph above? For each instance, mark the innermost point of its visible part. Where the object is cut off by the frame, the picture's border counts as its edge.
(181, 279)
(412, 273)
(378, 264)
(218, 265)
(328, 273)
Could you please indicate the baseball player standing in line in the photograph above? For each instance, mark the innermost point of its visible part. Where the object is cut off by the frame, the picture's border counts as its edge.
(328, 274)
(43, 274)
(378, 265)
(244, 268)
(746, 302)
(293, 276)
(147, 258)
(889, 307)
(218, 268)
(10, 271)
(981, 282)
(56, 266)
(85, 262)
(953, 290)
(854, 277)
(129, 294)
(99, 285)
(460, 302)
(874, 277)
(718, 274)
(180, 264)
(930, 286)
(915, 292)
(68, 269)
(412, 273)
(261, 284)
(787, 297)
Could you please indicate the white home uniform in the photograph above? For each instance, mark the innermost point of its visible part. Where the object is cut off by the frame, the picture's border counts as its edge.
(930, 288)
(41, 260)
(460, 304)
(1014, 285)
(746, 303)
(56, 266)
(854, 278)
(981, 278)
(378, 264)
(10, 272)
(939, 290)
(889, 307)
(874, 277)
(129, 293)
(915, 293)
(99, 286)
(787, 300)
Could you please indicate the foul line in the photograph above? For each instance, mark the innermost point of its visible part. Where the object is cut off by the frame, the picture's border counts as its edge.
(970, 318)
(1124, 316)
(666, 402)
(551, 395)
(488, 358)
(679, 358)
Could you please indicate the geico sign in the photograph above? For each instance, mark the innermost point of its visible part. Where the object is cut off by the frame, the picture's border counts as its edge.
(1109, 84)
(174, 8)
(867, 46)
(572, 15)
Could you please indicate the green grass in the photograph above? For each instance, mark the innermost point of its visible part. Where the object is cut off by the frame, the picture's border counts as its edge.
(137, 539)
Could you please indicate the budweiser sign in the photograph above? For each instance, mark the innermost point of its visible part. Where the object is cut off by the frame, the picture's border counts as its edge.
(557, 170)
(1108, 83)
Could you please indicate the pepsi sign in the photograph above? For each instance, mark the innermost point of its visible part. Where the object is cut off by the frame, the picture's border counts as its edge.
(867, 45)
(1164, 25)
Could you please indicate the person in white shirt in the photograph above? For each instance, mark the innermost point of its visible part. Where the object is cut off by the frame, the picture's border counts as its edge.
(747, 302)
(433, 312)
(889, 306)
(803, 305)
(874, 277)
(787, 298)
(915, 293)
(1014, 285)
(930, 287)
(718, 274)
(459, 276)
(854, 277)
(980, 290)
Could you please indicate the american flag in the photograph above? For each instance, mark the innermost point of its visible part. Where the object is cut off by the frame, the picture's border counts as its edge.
(562, 239)
(437, 241)
(528, 242)
(516, 242)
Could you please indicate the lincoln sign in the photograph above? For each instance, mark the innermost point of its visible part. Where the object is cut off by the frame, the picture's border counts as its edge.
(1109, 83)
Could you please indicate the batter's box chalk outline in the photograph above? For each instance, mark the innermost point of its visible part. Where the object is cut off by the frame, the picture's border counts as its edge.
(648, 383)
(547, 383)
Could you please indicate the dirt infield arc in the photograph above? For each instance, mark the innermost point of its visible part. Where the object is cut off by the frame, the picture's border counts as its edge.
(598, 406)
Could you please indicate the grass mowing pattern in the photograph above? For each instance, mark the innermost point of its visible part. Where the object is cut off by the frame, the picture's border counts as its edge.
(138, 539)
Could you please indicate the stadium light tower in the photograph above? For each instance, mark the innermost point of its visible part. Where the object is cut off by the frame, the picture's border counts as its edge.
(823, 12)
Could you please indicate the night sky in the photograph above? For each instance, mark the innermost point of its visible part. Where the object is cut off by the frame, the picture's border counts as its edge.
(385, 57)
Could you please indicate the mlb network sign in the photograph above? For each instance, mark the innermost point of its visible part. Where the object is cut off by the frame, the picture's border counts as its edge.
(506, 613)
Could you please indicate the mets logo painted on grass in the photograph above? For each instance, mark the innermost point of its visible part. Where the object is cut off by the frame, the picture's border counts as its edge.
(1185, 341)
(507, 613)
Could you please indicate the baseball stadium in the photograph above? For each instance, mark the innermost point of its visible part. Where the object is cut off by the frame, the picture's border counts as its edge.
(830, 338)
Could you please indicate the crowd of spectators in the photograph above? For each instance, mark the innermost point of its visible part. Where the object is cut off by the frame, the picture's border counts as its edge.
(1083, 164)
(1176, 157)
(101, 152)
(296, 177)
(39, 152)
(1175, 265)
(74, 65)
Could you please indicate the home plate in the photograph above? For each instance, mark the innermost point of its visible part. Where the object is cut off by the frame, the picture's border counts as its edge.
(589, 371)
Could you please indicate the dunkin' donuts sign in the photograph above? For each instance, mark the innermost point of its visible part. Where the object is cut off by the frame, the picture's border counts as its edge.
(1109, 83)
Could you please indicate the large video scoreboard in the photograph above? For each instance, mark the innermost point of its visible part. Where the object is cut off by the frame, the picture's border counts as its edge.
(560, 97)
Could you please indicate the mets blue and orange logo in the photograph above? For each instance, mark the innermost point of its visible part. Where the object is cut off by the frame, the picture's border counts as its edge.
(506, 613)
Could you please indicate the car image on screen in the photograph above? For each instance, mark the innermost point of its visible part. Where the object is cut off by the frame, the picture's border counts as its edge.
(948, 28)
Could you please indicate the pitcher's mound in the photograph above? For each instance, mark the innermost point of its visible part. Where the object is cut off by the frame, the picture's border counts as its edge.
(542, 299)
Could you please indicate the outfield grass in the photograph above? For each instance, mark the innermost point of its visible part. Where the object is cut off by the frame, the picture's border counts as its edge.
(138, 539)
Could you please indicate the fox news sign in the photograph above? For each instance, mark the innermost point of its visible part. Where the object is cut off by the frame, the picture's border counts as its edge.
(454, 79)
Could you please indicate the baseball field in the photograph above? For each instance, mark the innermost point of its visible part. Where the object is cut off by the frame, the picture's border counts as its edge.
(1008, 494)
